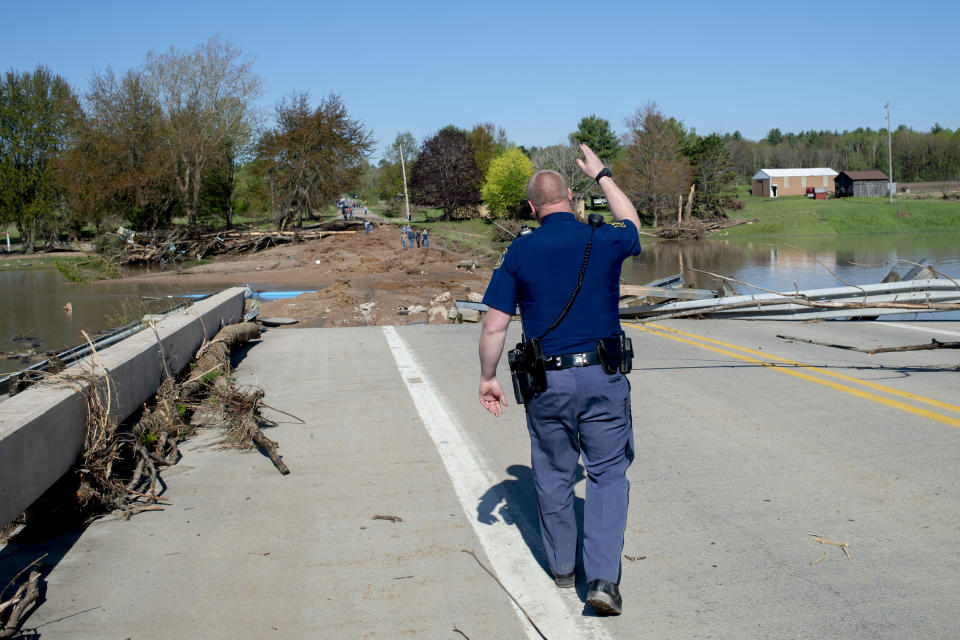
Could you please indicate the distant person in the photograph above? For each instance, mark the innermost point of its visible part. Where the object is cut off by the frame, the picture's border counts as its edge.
(419, 233)
(403, 238)
(426, 237)
(411, 235)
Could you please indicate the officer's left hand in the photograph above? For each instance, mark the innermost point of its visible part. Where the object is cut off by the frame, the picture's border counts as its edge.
(491, 396)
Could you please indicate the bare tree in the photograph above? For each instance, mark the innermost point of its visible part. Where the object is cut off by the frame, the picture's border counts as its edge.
(563, 159)
(652, 169)
(206, 97)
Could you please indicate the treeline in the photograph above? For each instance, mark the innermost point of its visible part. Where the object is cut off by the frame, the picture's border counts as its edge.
(917, 156)
(657, 162)
(178, 136)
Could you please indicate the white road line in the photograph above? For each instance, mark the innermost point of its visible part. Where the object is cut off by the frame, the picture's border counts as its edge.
(471, 477)
(926, 329)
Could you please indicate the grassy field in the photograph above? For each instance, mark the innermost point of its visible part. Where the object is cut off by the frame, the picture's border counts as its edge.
(797, 216)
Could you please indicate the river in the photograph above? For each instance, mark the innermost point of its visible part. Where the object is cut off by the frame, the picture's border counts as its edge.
(33, 314)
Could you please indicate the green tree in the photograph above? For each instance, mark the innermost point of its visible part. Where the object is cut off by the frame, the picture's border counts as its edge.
(597, 134)
(312, 155)
(38, 115)
(446, 175)
(505, 186)
(487, 141)
(388, 176)
(774, 137)
(117, 165)
(251, 194)
(713, 174)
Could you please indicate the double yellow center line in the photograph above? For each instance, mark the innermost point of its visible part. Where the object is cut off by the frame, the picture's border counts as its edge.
(803, 371)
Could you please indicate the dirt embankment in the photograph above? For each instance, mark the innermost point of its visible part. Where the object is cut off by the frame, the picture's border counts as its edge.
(349, 271)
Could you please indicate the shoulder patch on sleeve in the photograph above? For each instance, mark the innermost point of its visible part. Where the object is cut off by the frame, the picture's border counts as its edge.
(500, 260)
(618, 224)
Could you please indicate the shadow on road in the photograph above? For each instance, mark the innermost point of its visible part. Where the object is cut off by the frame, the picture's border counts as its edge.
(517, 502)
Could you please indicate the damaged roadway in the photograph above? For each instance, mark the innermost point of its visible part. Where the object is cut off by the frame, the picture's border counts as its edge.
(746, 445)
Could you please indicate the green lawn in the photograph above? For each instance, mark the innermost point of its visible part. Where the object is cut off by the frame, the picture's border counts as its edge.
(797, 215)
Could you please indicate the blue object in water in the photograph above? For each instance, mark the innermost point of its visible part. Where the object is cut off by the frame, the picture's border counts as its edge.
(279, 295)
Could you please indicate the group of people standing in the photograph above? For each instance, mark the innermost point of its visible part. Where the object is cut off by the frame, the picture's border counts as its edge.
(419, 236)
(348, 208)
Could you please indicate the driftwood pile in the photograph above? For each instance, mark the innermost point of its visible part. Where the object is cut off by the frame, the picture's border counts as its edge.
(120, 468)
(177, 245)
(695, 229)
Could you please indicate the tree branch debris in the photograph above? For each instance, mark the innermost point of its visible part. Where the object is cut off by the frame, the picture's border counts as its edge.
(821, 540)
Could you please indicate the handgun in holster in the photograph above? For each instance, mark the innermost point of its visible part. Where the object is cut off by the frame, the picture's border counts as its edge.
(527, 370)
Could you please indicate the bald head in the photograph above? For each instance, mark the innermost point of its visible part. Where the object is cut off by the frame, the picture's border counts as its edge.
(547, 187)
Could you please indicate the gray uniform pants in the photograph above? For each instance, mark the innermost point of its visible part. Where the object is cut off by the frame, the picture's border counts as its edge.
(583, 413)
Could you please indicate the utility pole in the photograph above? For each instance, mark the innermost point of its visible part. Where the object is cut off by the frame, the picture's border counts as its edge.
(889, 156)
(406, 198)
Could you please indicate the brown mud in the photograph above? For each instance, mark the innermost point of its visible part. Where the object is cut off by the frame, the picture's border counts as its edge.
(349, 272)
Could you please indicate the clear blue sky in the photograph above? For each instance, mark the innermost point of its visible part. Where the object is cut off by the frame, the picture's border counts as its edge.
(536, 68)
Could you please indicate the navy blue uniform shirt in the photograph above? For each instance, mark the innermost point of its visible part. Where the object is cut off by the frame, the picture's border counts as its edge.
(540, 269)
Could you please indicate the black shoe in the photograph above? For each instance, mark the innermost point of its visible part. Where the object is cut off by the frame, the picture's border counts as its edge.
(604, 597)
(566, 580)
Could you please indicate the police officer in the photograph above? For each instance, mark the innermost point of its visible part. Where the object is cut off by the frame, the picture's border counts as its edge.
(584, 411)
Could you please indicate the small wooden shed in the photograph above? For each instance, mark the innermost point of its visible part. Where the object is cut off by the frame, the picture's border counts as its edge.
(861, 184)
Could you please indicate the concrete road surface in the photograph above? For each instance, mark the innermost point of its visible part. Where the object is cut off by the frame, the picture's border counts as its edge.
(747, 445)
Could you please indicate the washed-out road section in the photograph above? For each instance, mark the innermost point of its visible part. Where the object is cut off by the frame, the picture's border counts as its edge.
(746, 445)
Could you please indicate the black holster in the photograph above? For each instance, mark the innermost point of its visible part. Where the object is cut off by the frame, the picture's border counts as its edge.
(527, 370)
(616, 354)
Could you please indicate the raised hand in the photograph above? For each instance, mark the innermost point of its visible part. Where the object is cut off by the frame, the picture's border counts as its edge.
(591, 163)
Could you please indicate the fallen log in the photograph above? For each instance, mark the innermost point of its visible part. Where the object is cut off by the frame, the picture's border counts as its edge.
(211, 391)
(25, 596)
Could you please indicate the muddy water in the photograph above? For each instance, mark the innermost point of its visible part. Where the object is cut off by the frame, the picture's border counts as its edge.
(804, 262)
(32, 314)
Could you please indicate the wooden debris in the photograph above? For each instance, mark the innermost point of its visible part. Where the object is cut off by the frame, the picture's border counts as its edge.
(176, 245)
(821, 540)
(927, 346)
(390, 518)
(634, 558)
(694, 229)
(22, 600)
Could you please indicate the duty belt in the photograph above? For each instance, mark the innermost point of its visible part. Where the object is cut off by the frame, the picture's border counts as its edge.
(568, 360)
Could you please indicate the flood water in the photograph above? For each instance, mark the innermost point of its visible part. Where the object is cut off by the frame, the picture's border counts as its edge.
(804, 262)
(33, 316)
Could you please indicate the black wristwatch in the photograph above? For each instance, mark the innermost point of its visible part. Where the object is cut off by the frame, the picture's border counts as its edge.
(603, 172)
